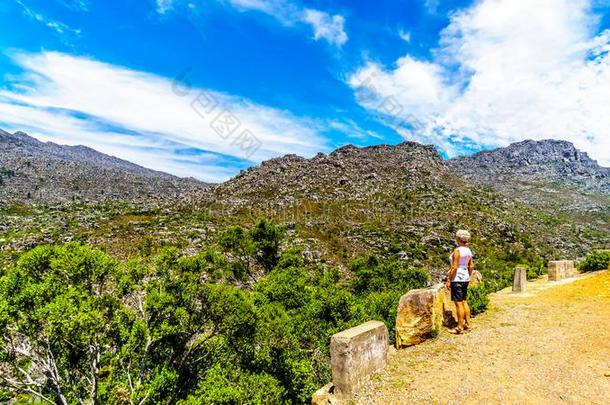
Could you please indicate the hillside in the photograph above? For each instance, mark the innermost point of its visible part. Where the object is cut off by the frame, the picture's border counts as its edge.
(403, 200)
(549, 161)
(550, 174)
(47, 173)
(229, 294)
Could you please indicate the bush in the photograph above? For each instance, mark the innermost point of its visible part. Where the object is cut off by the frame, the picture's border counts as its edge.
(373, 274)
(478, 299)
(598, 260)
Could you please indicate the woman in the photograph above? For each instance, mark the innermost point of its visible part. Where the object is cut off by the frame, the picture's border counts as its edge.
(458, 278)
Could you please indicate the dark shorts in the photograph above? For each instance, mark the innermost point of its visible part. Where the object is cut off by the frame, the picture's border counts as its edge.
(459, 290)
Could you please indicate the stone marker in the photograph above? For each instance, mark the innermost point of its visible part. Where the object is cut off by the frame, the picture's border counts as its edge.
(519, 280)
(421, 314)
(556, 271)
(355, 354)
(570, 269)
(560, 269)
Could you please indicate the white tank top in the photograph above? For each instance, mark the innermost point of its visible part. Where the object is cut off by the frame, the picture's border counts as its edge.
(462, 274)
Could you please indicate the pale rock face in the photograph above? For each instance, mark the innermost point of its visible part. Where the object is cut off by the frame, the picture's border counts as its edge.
(356, 354)
(421, 315)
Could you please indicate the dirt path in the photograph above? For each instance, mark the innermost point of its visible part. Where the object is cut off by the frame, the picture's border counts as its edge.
(549, 346)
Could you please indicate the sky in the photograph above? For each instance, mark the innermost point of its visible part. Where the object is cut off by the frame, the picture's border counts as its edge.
(206, 88)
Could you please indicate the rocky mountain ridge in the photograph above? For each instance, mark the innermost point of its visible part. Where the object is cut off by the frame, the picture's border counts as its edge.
(548, 161)
(48, 173)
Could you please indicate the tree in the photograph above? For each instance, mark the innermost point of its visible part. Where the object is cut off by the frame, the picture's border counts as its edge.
(259, 245)
(58, 317)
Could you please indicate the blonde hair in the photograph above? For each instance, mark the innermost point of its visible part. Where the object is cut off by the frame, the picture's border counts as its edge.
(463, 235)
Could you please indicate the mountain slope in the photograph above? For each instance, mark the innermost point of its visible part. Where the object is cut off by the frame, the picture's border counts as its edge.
(31, 170)
(549, 161)
(402, 200)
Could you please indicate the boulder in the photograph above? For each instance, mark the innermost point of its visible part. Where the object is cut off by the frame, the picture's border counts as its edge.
(325, 396)
(421, 314)
(355, 354)
(475, 278)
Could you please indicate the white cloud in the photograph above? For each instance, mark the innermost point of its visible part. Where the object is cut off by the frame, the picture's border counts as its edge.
(149, 105)
(504, 71)
(404, 35)
(431, 5)
(326, 26)
(78, 5)
(163, 6)
(58, 27)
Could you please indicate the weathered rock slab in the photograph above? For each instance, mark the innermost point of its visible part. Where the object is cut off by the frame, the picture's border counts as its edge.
(421, 314)
(355, 354)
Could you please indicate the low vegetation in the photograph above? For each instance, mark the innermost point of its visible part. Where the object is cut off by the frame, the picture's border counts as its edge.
(597, 260)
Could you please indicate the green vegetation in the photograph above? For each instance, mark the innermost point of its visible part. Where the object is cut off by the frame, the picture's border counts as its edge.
(157, 306)
(597, 260)
(478, 299)
(236, 323)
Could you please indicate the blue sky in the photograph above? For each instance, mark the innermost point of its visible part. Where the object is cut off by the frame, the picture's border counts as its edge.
(206, 88)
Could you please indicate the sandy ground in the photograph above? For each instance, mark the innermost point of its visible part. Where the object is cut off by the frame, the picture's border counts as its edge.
(550, 345)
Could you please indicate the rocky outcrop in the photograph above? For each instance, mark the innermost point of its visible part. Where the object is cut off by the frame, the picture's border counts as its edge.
(421, 315)
(527, 162)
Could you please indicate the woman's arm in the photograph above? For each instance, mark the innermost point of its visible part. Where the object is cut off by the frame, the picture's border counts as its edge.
(454, 265)
(471, 266)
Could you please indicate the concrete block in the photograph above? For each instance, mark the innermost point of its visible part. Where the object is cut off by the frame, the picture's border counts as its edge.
(570, 269)
(357, 353)
(556, 270)
(560, 269)
(519, 280)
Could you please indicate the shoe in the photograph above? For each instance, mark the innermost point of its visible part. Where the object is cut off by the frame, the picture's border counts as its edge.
(457, 331)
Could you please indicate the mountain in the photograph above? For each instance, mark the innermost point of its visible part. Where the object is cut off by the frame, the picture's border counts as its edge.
(404, 200)
(401, 200)
(530, 162)
(48, 173)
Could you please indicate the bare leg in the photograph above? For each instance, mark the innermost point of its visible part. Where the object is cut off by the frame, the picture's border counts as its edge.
(467, 314)
(459, 307)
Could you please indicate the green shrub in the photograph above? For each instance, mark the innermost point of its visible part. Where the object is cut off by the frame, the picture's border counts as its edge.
(597, 260)
(374, 274)
(478, 299)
